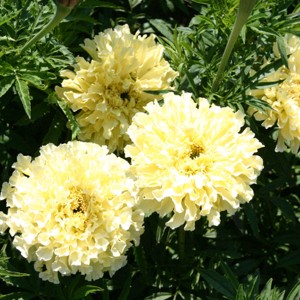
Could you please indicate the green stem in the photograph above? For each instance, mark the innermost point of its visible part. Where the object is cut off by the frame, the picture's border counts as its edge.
(244, 11)
(60, 14)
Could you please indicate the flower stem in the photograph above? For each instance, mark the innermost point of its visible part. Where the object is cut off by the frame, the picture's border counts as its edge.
(60, 14)
(244, 11)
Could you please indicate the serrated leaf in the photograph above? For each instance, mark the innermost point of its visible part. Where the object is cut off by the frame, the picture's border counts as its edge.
(6, 18)
(33, 79)
(5, 84)
(85, 290)
(264, 30)
(23, 92)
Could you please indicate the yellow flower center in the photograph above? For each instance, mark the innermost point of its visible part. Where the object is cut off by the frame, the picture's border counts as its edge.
(194, 160)
(74, 213)
(78, 201)
(122, 93)
(196, 150)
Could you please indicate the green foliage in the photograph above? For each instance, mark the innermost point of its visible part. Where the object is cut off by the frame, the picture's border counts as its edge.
(253, 255)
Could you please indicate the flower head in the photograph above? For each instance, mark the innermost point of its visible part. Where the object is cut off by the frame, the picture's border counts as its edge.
(191, 161)
(72, 209)
(107, 91)
(284, 100)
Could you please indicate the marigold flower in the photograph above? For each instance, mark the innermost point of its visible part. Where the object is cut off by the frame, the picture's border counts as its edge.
(72, 209)
(284, 100)
(192, 161)
(107, 91)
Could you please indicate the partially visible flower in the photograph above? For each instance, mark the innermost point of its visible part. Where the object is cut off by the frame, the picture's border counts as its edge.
(284, 100)
(192, 161)
(107, 91)
(72, 209)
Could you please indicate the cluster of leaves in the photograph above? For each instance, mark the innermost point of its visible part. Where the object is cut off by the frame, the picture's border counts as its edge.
(253, 255)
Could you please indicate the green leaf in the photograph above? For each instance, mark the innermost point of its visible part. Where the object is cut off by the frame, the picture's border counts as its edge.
(104, 4)
(264, 30)
(266, 70)
(12, 273)
(23, 92)
(159, 92)
(5, 84)
(159, 296)
(252, 218)
(286, 208)
(6, 69)
(163, 27)
(33, 79)
(85, 290)
(219, 283)
(266, 84)
(230, 275)
(18, 295)
(6, 18)
(294, 292)
(134, 3)
(240, 294)
(253, 288)
(126, 289)
(53, 98)
(269, 293)
(282, 50)
(293, 258)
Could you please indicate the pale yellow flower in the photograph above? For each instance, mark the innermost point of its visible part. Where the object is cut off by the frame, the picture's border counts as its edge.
(284, 100)
(192, 161)
(72, 209)
(108, 90)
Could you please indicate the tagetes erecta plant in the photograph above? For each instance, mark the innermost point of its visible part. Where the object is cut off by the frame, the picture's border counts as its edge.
(283, 99)
(107, 91)
(192, 161)
(72, 209)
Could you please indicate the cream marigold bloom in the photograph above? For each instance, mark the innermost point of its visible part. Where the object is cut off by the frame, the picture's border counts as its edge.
(108, 90)
(284, 100)
(72, 209)
(192, 161)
